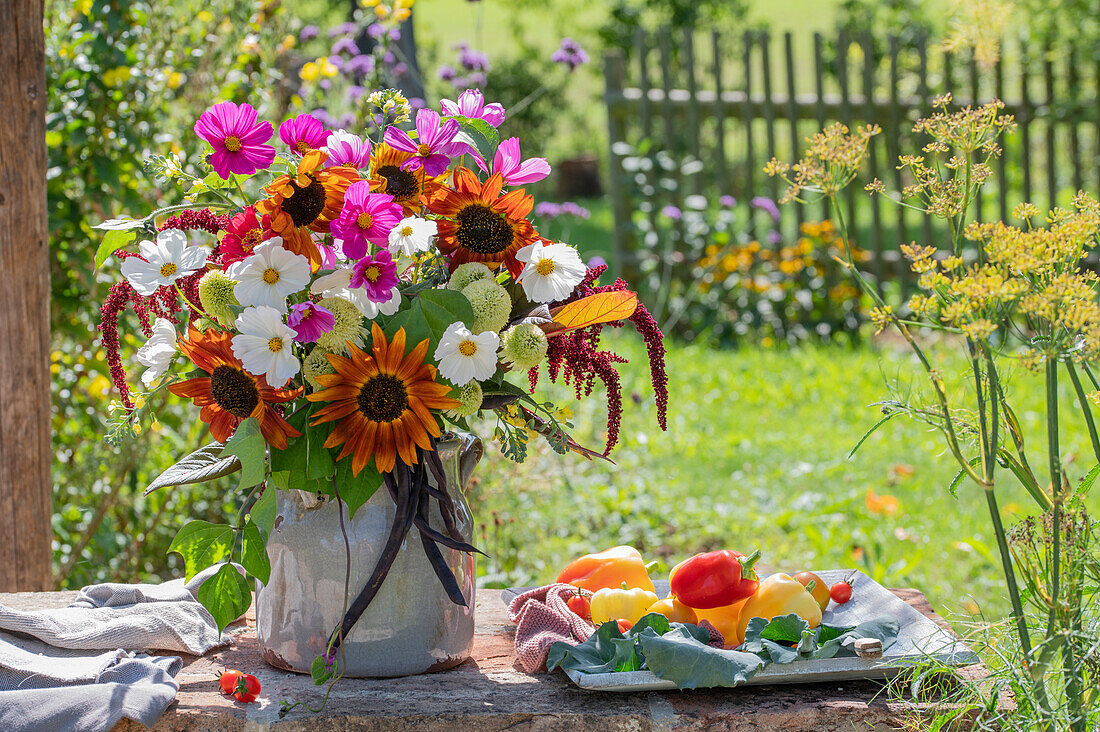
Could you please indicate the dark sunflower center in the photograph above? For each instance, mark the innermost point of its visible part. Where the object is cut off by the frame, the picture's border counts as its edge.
(383, 398)
(399, 183)
(305, 204)
(482, 230)
(234, 391)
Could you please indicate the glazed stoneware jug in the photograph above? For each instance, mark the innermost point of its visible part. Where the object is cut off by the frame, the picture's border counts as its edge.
(411, 626)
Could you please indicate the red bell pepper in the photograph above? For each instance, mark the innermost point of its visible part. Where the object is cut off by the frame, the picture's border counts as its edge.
(714, 579)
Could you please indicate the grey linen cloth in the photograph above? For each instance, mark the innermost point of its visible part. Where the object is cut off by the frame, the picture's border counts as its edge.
(50, 682)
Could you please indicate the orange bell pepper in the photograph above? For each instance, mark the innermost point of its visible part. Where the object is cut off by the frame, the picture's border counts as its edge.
(610, 568)
(726, 620)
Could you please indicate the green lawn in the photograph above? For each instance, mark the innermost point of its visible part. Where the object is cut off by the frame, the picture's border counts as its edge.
(755, 456)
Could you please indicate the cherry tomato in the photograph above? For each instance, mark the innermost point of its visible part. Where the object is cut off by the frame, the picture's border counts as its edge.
(820, 591)
(247, 689)
(841, 592)
(228, 681)
(624, 625)
(580, 606)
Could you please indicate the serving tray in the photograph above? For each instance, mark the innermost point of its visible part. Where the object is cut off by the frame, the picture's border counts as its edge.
(919, 639)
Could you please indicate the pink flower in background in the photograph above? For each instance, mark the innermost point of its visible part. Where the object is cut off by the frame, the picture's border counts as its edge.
(471, 103)
(238, 139)
(310, 321)
(345, 148)
(377, 274)
(510, 164)
(366, 217)
(570, 54)
(303, 133)
(434, 141)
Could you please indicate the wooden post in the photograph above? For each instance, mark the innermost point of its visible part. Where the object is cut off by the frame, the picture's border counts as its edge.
(26, 534)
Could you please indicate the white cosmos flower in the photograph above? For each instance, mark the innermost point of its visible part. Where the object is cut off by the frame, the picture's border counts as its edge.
(158, 351)
(265, 345)
(269, 275)
(412, 235)
(551, 271)
(338, 284)
(464, 356)
(165, 261)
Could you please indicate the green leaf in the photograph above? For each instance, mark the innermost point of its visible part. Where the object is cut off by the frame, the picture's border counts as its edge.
(319, 464)
(355, 490)
(428, 315)
(680, 657)
(254, 553)
(870, 432)
(480, 134)
(226, 595)
(113, 240)
(319, 670)
(203, 464)
(263, 510)
(599, 654)
(1088, 480)
(248, 444)
(780, 639)
(202, 544)
(884, 628)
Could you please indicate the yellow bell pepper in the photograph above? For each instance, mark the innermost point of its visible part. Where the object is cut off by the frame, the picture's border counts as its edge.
(674, 610)
(780, 594)
(609, 568)
(624, 603)
(726, 621)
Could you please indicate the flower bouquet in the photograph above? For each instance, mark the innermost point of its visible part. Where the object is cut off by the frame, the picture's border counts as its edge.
(335, 306)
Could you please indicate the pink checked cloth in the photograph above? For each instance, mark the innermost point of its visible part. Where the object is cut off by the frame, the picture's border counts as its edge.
(543, 618)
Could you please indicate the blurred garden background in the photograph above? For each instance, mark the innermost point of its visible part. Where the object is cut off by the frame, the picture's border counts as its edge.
(774, 370)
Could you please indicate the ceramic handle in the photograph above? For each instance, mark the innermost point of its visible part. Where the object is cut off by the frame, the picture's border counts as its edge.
(469, 454)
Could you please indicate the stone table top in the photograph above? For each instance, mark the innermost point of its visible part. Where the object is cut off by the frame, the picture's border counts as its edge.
(487, 693)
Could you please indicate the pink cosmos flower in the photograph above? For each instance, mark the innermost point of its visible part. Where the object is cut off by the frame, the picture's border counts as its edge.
(366, 217)
(509, 163)
(471, 103)
(432, 147)
(237, 137)
(377, 274)
(303, 133)
(345, 148)
(310, 321)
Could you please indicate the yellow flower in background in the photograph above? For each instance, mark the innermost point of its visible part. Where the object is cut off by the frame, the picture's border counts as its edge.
(118, 75)
(288, 43)
(369, 3)
(204, 16)
(309, 72)
(83, 7)
(884, 505)
(381, 11)
(401, 14)
(327, 68)
(173, 80)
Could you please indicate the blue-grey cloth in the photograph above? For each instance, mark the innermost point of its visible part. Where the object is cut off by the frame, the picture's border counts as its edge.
(50, 681)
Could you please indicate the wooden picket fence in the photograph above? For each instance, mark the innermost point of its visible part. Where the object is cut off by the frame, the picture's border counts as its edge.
(733, 101)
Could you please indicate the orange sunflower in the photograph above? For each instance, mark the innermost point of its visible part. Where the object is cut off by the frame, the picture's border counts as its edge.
(382, 402)
(407, 188)
(307, 202)
(230, 394)
(484, 226)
